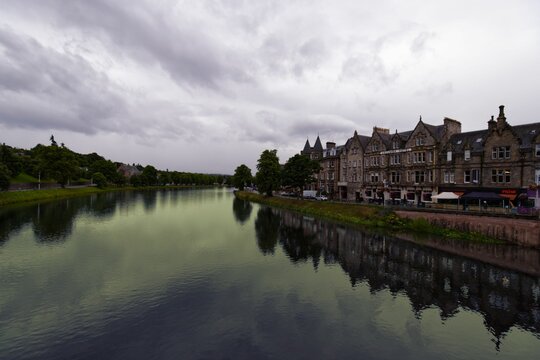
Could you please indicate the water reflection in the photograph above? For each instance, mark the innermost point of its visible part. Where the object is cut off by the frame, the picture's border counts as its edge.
(242, 210)
(267, 230)
(429, 277)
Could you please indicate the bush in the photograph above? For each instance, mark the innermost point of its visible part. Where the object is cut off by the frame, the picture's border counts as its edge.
(99, 179)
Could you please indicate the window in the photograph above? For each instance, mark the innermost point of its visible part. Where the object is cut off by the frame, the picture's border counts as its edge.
(475, 176)
(449, 156)
(395, 160)
(430, 156)
(500, 176)
(374, 177)
(395, 177)
(467, 154)
(354, 163)
(419, 157)
(395, 144)
(430, 176)
(382, 160)
(537, 150)
(419, 177)
(449, 177)
(500, 152)
(467, 176)
(537, 177)
(420, 140)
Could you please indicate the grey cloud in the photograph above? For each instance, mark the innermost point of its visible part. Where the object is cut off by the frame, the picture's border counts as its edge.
(41, 88)
(185, 51)
(369, 69)
(419, 43)
(435, 91)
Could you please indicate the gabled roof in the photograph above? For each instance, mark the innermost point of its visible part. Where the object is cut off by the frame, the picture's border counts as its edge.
(472, 140)
(527, 133)
(437, 131)
(307, 147)
(364, 140)
(318, 145)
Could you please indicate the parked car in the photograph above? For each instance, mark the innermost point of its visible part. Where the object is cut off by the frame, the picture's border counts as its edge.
(321, 198)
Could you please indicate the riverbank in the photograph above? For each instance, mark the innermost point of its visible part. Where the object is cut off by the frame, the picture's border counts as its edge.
(372, 216)
(28, 196)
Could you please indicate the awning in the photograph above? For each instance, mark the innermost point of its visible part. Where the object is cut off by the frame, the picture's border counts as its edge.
(445, 196)
(476, 195)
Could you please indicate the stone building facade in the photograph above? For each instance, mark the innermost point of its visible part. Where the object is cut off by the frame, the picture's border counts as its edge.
(414, 165)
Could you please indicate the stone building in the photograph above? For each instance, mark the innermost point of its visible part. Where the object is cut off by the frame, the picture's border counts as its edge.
(314, 153)
(503, 159)
(328, 177)
(415, 165)
(352, 168)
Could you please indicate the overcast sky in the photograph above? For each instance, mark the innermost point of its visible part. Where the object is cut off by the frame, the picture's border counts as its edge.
(204, 86)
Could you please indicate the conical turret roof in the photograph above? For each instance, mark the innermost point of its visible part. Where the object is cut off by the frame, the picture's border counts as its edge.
(318, 144)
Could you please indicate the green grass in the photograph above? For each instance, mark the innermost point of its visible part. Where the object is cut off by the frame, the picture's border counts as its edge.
(15, 197)
(372, 216)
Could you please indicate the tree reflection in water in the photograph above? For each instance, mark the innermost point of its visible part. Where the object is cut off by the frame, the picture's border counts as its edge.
(267, 230)
(242, 210)
(428, 277)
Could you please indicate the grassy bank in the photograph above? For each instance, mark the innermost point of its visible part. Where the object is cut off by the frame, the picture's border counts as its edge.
(373, 216)
(16, 197)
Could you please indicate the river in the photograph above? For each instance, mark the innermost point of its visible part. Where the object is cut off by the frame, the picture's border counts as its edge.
(198, 274)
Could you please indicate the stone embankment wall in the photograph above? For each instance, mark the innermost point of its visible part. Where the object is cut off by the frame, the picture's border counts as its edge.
(517, 231)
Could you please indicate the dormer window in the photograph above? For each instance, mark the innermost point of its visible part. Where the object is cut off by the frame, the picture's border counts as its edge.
(449, 156)
(467, 155)
(420, 141)
(537, 152)
(395, 144)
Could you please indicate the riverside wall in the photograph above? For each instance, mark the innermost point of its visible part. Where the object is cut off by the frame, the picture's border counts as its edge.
(524, 232)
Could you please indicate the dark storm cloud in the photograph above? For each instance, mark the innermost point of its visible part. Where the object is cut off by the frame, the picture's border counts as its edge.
(183, 48)
(41, 88)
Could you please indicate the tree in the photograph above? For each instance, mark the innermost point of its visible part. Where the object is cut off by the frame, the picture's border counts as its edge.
(100, 180)
(106, 167)
(10, 160)
(5, 175)
(149, 175)
(299, 170)
(57, 163)
(242, 177)
(268, 172)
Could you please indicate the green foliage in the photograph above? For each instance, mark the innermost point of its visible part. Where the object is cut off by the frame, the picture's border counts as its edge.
(100, 180)
(299, 170)
(106, 167)
(268, 176)
(10, 160)
(57, 163)
(242, 177)
(5, 175)
(149, 176)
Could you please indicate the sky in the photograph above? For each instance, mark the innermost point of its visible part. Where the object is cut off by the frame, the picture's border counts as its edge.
(204, 86)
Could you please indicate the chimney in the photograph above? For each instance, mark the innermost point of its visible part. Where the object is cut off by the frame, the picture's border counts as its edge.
(492, 124)
(451, 127)
(381, 130)
(501, 120)
(330, 145)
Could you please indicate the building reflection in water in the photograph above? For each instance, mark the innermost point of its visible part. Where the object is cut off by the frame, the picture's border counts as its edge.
(428, 276)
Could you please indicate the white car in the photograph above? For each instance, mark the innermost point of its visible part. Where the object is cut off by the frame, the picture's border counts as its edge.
(321, 198)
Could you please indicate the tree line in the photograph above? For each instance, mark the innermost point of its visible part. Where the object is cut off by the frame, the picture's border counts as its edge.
(57, 163)
(295, 174)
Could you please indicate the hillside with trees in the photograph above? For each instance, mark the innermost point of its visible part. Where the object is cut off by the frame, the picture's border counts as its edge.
(57, 164)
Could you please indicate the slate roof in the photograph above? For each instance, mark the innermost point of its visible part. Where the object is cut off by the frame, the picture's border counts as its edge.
(307, 147)
(318, 145)
(437, 131)
(458, 142)
(527, 133)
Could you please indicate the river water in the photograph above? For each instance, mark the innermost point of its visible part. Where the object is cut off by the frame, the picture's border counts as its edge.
(198, 274)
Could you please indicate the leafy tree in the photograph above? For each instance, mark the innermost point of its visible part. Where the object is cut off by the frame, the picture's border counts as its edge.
(9, 160)
(100, 180)
(164, 178)
(149, 175)
(5, 175)
(106, 168)
(58, 163)
(242, 176)
(299, 170)
(136, 180)
(268, 172)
